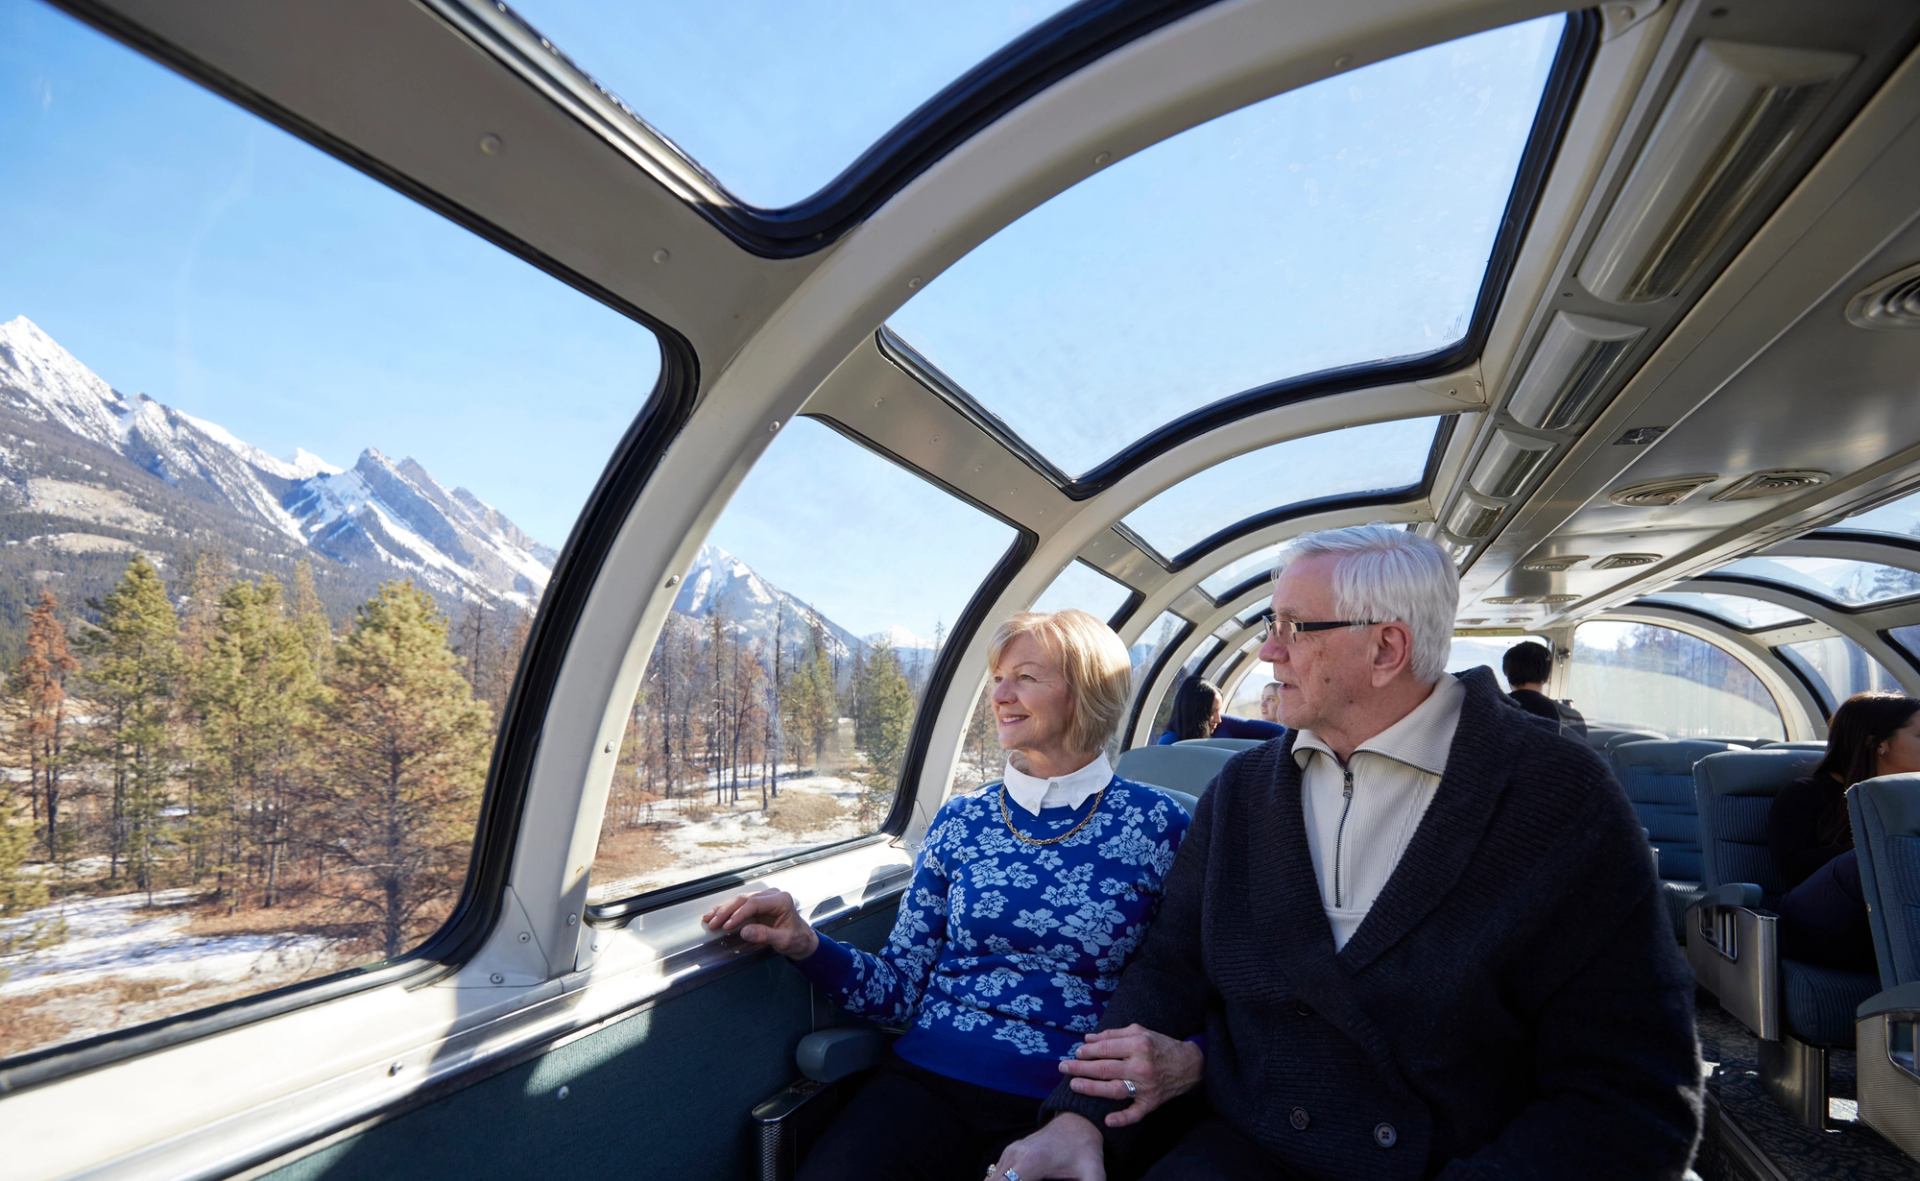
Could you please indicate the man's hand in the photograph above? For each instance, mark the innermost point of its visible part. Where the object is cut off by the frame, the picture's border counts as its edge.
(769, 918)
(1159, 1068)
(1069, 1146)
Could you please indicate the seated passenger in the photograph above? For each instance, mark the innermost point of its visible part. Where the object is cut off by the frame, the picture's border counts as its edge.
(1270, 703)
(1421, 940)
(1196, 714)
(1823, 915)
(1027, 899)
(1528, 665)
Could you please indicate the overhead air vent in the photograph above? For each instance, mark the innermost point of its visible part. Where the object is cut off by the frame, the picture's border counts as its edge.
(1509, 459)
(1728, 126)
(1893, 302)
(1622, 561)
(1659, 493)
(1760, 485)
(1510, 600)
(1553, 564)
(1475, 619)
(1570, 370)
(1557, 599)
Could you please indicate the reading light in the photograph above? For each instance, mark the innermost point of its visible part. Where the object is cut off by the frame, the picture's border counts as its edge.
(1575, 360)
(1726, 129)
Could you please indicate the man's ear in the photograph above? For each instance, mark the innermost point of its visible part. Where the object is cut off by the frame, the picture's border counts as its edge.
(1392, 652)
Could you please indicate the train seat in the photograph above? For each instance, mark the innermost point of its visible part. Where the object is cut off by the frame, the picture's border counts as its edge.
(1223, 743)
(1796, 1010)
(1605, 740)
(1886, 828)
(1658, 780)
(1183, 766)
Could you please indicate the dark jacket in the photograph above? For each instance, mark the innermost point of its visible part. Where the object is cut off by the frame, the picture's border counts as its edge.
(1540, 705)
(1512, 1006)
(1807, 826)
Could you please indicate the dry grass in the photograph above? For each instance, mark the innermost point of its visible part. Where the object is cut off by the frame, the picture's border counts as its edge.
(629, 853)
(799, 812)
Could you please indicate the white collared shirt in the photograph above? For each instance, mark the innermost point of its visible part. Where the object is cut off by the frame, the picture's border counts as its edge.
(1394, 776)
(1062, 791)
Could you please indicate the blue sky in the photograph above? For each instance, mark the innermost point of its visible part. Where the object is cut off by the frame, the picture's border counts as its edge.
(185, 249)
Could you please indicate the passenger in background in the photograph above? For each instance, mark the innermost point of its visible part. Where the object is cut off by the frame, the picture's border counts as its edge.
(1196, 714)
(1421, 940)
(1027, 899)
(1270, 702)
(1823, 915)
(1528, 665)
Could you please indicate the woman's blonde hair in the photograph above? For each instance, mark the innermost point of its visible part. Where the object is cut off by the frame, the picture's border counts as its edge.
(1098, 671)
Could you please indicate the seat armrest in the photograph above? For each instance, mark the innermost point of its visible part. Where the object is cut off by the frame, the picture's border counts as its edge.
(1895, 1001)
(829, 1055)
(1733, 894)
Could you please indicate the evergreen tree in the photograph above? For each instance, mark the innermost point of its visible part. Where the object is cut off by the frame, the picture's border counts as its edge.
(20, 891)
(208, 574)
(37, 719)
(886, 729)
(403, 751)
(309, 616)
(133, 654)
(259, 697)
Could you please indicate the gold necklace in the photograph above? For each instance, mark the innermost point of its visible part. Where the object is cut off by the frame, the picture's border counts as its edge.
(1006, 814)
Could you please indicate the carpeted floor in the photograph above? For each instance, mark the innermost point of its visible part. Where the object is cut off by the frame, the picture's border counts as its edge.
(1846, 1150)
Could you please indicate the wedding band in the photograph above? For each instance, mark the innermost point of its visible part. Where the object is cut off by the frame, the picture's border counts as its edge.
(993, 1170)
(1132, 1090)
(1012, 1175)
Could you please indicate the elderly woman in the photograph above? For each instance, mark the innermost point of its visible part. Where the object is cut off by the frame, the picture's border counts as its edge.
(1027, 899)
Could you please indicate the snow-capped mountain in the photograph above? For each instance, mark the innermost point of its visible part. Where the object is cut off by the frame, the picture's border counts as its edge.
(753, 607)
(381, 517)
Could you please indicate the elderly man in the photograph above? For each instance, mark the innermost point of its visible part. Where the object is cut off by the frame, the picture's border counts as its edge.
(1421, 936)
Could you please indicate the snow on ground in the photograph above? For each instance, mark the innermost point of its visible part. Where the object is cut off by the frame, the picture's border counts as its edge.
(119, 937)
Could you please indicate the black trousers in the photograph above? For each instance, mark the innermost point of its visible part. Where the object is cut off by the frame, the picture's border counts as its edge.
(1213, 1151)
(1823, 920)
(907, 1122)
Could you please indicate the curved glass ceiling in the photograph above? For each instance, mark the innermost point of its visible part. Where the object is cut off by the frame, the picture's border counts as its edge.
(1843, 668)
(1837, 580)
(1237, 572)
(777, 99)
(1738, 610)
(1344, 223)
(1378, 457)
(1081, 586)
(1900, 518)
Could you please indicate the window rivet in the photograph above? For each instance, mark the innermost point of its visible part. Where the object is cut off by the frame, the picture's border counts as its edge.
(1343, 61)
(879, 402)
(1103, 159)
(489, 145)
(913, 284)
(773, 426)
(933, 441)
(395, 1069)
(661, 255)
(526, 937)
(497, 978)
(673, 580)
(562, 1093)
(573, 920)
(607, 749)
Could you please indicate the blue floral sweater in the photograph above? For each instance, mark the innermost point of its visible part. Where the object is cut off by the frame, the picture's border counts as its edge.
(1005, 953)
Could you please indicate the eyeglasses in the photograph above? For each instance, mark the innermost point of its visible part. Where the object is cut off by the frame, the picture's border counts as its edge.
(1286, 630)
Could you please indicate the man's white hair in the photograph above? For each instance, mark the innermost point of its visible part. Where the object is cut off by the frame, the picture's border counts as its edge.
(1382, 573)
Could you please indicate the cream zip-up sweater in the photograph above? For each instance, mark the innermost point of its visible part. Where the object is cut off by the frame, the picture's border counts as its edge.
(1360, 817)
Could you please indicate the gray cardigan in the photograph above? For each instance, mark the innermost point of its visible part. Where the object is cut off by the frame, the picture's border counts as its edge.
(1512, 1006)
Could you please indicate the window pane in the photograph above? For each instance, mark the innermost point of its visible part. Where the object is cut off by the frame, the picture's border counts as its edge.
(1908, 638)
(779, 701)
(1345, 222)
(777, 99)
(1081, 586)
(197, 308)
(1474, 651)
(1842, 668)
(1379, 457)
(1739, 610)
(1837, 580)
(1655, 678)
(1235, 573)
(1147, 648)
(1243, 699)
(1900, 518)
